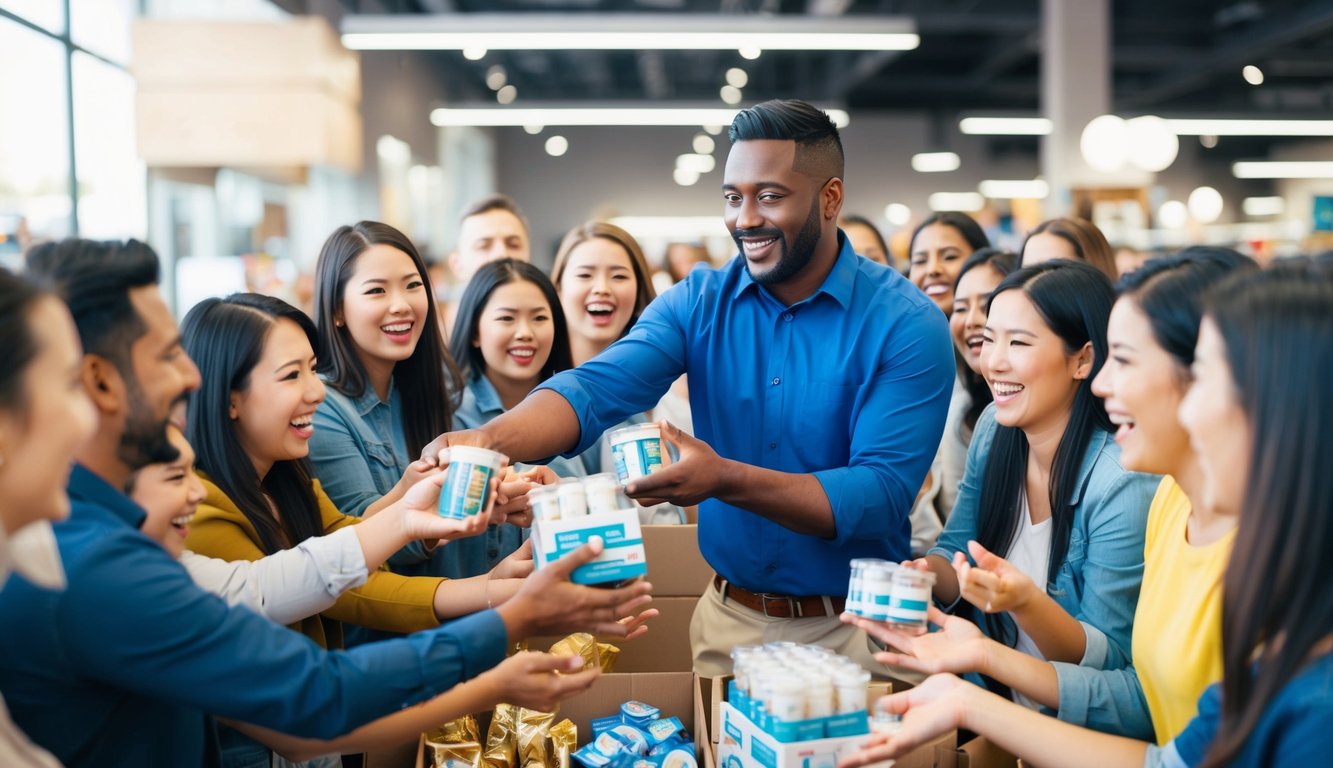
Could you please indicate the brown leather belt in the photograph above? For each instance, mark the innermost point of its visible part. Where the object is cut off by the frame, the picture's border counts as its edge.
(778, 606)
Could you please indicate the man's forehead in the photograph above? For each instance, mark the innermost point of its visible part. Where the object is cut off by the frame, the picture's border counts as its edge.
(153, 310)
(772, 159)
(497, 222)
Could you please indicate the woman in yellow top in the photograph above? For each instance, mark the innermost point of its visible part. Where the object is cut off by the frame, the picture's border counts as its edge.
(1176, 648)
(250, 423)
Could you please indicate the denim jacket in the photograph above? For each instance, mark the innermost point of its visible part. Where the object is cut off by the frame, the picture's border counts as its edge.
(1098, 584)
(358, 448)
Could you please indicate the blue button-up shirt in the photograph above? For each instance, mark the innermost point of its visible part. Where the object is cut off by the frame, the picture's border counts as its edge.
(850, 385)
(123, 666)
(358, 448)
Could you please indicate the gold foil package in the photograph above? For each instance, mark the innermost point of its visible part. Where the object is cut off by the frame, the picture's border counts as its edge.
(455, 744)
(564, 740)
(533, 742)
(607, 654)
(581, 644)
(502, 738)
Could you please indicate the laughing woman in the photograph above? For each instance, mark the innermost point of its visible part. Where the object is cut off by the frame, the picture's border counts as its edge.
(1046, 540)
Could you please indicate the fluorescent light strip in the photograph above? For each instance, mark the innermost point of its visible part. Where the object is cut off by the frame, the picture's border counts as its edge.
(671, 226)
(956, 201)
(683, 32)
(1263, 206)
(492, 117)
(1202, 127)
(935, 162)
(1005, 126)
(1007, 189)
(1262, 169)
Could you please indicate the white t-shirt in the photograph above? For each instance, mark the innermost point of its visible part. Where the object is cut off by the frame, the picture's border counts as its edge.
(1031, 554)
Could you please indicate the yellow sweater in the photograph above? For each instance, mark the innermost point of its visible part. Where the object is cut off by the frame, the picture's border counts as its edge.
(386, 601)
(1177, 646)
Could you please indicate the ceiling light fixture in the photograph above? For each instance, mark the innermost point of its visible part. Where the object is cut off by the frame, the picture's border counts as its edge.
(1252, 74)
(897, 214)
(935, 162)
(956, 201)
(1211, 127)
(1005, 126)
(1008, 189)
(703, 144)
(737, 77)
(620, 32)
(700, 164)
(557, 146)
(1263, 169)
(497, 117)
(1263, 206)
(730, 94)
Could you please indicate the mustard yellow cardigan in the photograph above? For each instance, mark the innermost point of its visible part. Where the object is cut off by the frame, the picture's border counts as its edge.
(387, 601)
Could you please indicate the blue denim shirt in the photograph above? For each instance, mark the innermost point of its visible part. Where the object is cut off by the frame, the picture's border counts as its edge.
(850, 385)
(124, 666)
(1098, 584)
(479, 554)
(358, 448)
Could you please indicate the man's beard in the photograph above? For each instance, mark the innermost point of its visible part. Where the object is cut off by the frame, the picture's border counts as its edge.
(793, 259)
(145, 439)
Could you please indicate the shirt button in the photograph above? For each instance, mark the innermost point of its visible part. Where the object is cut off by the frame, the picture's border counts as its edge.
(786, 316)
(772, 445)
(770, 568)
(777, 380)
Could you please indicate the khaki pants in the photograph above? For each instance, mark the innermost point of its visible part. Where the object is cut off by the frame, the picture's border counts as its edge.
(719, 625)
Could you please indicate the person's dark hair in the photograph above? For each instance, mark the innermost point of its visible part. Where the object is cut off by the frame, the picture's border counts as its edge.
(965, 225)
(1089, 243)
(428, 380)
(1276, 612)
(95, 279)
(818, 145)
(18, 297)
(479, 289)
(495, 203)
(855, 220)
(1170, 290)
(1003, 262)
(1074, 300)
(225, 338)
(644, 292)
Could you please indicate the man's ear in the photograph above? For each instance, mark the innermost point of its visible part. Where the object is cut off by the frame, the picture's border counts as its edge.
(103, 383)
(830, 198)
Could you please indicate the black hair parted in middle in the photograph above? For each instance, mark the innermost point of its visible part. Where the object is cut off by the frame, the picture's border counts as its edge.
(818, 145)
(225, 338)
(475, 297)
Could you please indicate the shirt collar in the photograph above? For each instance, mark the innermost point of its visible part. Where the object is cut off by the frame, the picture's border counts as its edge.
(368, 400)
(87, 487)
(488, 400)
(837, 285)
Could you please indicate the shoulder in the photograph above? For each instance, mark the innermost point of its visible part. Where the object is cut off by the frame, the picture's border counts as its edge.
(336, 406)
(329, 513)
(1110, 492)
(90, 532)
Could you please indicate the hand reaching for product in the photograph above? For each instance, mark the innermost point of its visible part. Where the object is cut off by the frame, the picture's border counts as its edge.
(420, 517)
(930, 709)
(958, 647)
(685, 481)
(538, 681)
(994, 585)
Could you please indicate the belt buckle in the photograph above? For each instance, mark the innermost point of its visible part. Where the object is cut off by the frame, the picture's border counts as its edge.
(793, 607)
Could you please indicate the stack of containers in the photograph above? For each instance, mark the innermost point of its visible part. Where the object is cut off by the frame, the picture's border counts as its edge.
(799, 692)
(567, 514)
(888, 592)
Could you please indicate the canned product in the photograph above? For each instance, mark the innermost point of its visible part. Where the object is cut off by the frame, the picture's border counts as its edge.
(467, 483)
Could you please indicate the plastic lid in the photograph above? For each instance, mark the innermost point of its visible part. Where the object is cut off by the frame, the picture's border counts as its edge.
(470, 454)
(636, 432)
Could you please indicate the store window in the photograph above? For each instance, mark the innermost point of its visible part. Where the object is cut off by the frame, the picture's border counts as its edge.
(112, 195)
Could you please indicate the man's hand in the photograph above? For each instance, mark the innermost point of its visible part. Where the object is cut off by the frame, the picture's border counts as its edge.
(698, 474)
(994, 585)
(548, 603)
(474, 437)
(958, 647)
(539, 681)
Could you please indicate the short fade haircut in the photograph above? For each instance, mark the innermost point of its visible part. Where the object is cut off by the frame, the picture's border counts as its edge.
(95, 279)
(818, 146)
(495, 203)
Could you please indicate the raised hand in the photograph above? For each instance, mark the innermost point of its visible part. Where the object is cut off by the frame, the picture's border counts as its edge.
(994, 585)
(685, 481)
(539, 681)
(958, 647)
(548, 603)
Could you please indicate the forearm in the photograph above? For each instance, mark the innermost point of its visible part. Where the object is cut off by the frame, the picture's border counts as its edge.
(1059, 636)
(795, 501)
(460, 597)
(1025, 674)
(384, 502)
(946, 579)
(1045, 742)
(473, 696)
(541, 426)
(381, 536)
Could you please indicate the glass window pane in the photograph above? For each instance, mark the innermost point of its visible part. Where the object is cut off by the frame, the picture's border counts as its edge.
(103, 26)
(34, 135)
(112, 194)
(47, 14)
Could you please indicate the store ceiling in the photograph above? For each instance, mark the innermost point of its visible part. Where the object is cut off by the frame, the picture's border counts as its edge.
(1171, 57)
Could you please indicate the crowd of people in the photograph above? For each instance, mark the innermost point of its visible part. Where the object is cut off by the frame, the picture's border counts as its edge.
(222, 546)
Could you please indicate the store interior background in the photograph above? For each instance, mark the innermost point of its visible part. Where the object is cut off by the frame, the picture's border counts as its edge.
(234, 135)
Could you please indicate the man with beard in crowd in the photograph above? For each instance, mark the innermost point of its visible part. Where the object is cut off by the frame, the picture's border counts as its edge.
(819, 383)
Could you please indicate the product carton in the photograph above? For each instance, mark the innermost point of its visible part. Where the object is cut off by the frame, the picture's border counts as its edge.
(622, 555)
(981, 752)
(675, 566)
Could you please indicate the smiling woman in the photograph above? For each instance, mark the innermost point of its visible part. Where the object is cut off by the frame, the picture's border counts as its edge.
(940, 245)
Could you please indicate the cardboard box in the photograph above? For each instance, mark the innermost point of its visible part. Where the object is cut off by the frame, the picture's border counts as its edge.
(665, 648)
(981, 752)
(713, 691)
(622, 557)
(676, 568)
(675, 693)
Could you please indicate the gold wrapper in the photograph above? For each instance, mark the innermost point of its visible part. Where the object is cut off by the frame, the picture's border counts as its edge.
(453, 754)
(564, 740)
(533, 745)
(607, 654)
(502, 738)
(581, 644)
(460, 731)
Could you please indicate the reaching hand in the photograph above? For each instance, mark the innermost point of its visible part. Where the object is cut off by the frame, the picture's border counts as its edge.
(958, 646)
(474, 437)
(518, 565)
(686, 481)
(993, 585)
(421, 519)
(930, 709)
(539, 681)
(548, 603)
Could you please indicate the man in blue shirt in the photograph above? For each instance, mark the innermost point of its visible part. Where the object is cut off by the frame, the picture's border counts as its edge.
(126, 664)
(819, 383)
